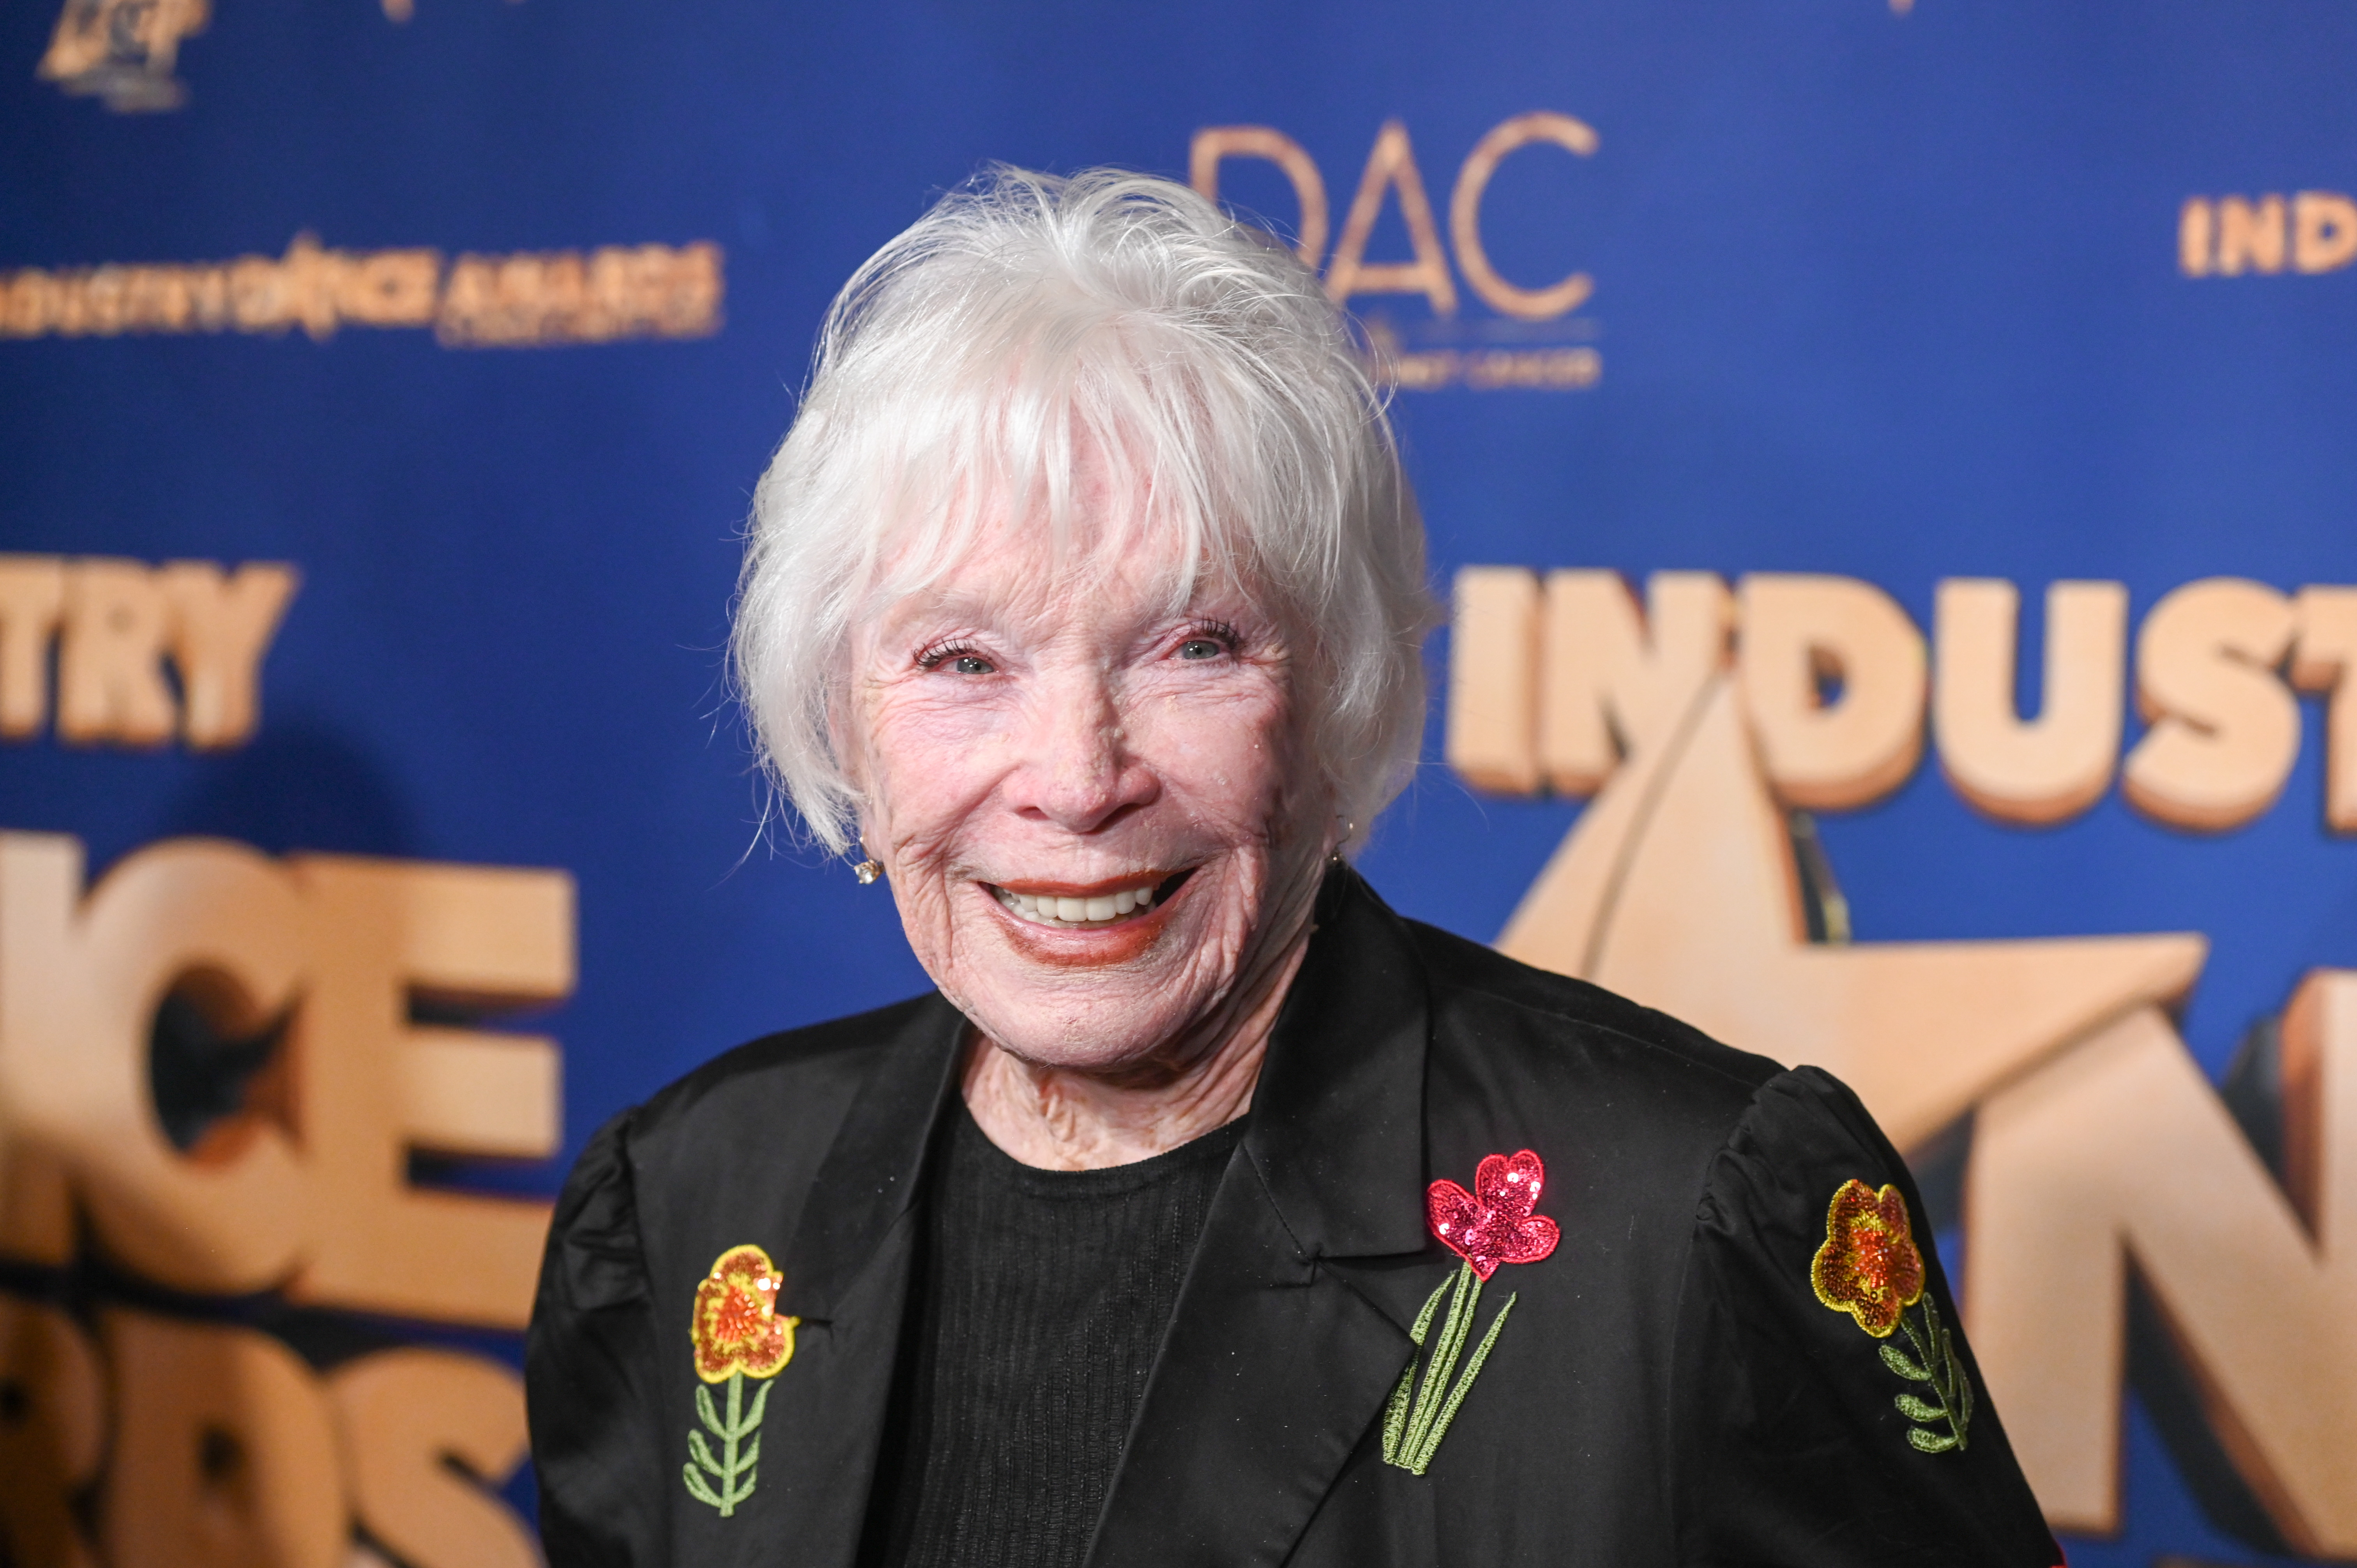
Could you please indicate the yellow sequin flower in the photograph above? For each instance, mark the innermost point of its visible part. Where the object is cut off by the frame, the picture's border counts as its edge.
(1869, 1266)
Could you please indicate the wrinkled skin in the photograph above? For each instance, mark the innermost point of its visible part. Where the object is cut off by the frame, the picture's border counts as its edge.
(1056, 727)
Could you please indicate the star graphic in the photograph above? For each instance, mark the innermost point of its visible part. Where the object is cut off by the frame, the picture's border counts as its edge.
(1679, 888)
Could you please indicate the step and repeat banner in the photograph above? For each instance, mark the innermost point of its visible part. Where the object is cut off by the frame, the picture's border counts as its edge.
(1892, 464)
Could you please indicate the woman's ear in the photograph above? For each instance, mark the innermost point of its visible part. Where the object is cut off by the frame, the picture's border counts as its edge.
(846, 737)
(846, 743)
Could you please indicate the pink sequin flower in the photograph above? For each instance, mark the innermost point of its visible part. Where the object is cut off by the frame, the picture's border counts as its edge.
(1493, 1223)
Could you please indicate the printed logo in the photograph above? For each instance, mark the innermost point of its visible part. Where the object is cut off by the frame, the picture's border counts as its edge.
(2313, 231)
(143, 653)
(533, 298)
(123, 52)
(1533, 340)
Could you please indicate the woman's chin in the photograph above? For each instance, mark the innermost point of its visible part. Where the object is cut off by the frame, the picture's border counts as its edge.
(1050, 1042)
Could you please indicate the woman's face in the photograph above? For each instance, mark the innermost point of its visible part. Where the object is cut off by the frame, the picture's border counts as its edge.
(1090, 805)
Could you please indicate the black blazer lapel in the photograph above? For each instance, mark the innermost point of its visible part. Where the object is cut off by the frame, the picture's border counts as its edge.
(1269, 1376)
(847, 1277)
(1292, 1328)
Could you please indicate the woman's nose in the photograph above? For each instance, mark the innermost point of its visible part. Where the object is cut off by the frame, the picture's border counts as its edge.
(1077, 770)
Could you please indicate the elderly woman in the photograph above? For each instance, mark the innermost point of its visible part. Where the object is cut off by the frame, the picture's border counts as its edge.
(1207, 1212)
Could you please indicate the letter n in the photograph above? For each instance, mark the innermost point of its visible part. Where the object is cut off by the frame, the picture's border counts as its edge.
(2119, 1150)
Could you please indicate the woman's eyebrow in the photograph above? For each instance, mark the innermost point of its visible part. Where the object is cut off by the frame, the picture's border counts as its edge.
(943, 605)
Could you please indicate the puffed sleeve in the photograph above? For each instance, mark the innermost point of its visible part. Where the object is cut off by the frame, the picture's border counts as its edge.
(589, 1362)
(1830, 1411)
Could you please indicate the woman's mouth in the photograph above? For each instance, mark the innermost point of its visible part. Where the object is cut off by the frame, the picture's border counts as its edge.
(1063, 906)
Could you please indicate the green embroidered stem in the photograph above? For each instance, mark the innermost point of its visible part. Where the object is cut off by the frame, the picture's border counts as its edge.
(735, 1469)
(1934, 1364)
(1431, 1443)
(1414, 1426)
(1442, 1361)
(1395, 1412)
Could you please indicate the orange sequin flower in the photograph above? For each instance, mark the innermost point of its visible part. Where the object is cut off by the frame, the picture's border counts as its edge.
(1869, 1266)
(737, 1328)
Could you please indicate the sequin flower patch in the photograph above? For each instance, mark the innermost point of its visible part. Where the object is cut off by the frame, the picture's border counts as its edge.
(1491, 1225)
(1870, 1268)
(739, 1335)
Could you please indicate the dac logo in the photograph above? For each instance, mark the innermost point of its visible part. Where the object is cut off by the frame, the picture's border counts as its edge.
(1392, 171)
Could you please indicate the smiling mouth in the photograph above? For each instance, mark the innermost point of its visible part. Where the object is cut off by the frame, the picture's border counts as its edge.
(1101, 906)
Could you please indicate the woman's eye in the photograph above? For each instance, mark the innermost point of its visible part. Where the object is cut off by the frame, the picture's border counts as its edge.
(973, 664)
(1201, 647)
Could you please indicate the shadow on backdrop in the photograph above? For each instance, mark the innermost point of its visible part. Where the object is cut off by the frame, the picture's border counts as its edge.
(299, 785)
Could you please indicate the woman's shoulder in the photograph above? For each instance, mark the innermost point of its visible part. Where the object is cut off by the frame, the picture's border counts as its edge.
(778, 1100)
(793, 1073)
(1637, 1103)
(1515, 1045)
(1503, 1008)
(1733, 1133)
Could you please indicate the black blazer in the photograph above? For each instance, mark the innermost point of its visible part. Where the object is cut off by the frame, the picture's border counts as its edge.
(1670, 1387)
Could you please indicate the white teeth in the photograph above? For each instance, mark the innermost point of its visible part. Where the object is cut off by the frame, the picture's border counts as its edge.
(1048, 909)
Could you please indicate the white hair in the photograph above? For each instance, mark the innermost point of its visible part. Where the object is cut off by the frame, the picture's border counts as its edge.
(1024, 322)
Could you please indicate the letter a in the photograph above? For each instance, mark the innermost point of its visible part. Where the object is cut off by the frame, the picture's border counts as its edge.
(1392, 164)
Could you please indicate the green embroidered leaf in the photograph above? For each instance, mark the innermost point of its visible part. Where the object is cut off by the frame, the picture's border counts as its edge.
(1895, 1359)
(697, 1490)
(761, 1401)
(1431, 1303)
(1930, 1442)
(704, 1411)
(1914, 1409)
(1395, 1412)
(702, 1454)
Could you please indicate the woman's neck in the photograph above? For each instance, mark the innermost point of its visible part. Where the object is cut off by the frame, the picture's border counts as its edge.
(1059, 1119)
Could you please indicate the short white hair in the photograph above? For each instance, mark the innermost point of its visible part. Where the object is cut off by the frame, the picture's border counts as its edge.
(1027, 320)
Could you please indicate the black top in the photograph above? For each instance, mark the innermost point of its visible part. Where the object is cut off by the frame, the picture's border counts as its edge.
(1041, 1300)
(1669, 1387)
